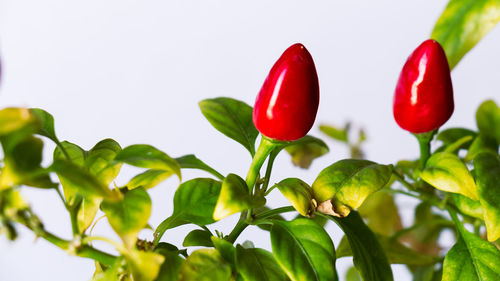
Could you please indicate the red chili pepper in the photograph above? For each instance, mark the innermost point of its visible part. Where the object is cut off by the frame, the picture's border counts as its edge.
(423, 100)
(287, 103)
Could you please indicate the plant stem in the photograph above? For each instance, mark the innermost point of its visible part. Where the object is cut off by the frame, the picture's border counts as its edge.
(424, 141)
(402, 180)
(81, 251)
(265, 148)
(238, 229)
(269, 168)
(274, 212)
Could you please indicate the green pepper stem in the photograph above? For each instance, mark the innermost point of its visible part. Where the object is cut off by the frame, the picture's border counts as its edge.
(424, 141)
(265, 148)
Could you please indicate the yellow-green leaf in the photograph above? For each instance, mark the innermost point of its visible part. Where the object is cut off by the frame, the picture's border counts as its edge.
(233, 197)
(299, 194)
(462, 24)
(446, 172)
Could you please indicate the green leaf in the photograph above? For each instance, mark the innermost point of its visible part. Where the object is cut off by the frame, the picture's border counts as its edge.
(299, 194)
(368, 256)
(111, 273)
(99, 160)
(233, 197)
(446, 172)
(22, 165)
(194, 202)
(14, 119)
(352, 274)
(129, 216)
(481, 144)
(144, 266)
(381, 213)
(233, 118)
(468, 206)
(471, 258)
(258, 265)
(169, 270)
(452, 135)
(147, 156)
(396, 252)
(462, 25)
(46, 124)
(192, 162)
(198, 237)
(76, 153)
(304, 250)
(305, 150)
(336, 133)
(267, 227)
(82, 180)
(463, 142)
(205, 265)
(226, 249)
(87, 212)
(487, 169)
(148, 179)
(344, 185)
(488, 115)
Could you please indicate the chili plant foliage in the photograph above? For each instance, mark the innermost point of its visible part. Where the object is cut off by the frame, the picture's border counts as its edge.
(457, 182)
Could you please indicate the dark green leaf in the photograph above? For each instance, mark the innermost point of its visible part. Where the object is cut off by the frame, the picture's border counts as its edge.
(305, 150)
(487, 168)
(299, 194)
(233, 198)
(452, 135)
(258, 265)
(129, 216)
(446, 172)
(226, 249)
(462, 24)
(22, 165)
(194, 202)
(205, 265)
(147, 156)
(46, 124)
(481, 144)
(396, 252)
(488, 113)
(304, 250)
(192, 162)
(198, 237)
(343, 186)
(368, 256)
(169, 270)
(233, 118)
(471, 258)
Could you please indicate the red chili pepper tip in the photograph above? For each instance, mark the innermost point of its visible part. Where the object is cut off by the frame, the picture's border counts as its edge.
(288, 101)
(423, 100)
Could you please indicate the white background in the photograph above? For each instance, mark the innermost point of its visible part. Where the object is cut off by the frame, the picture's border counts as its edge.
(135, 70)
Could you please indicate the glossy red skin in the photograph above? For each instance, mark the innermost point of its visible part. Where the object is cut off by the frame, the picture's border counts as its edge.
(423, 100)
(288, 101)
